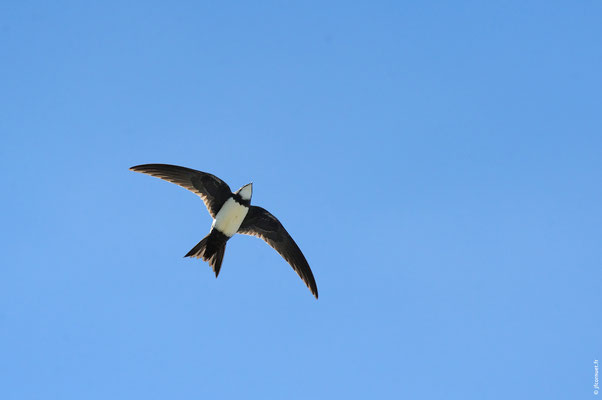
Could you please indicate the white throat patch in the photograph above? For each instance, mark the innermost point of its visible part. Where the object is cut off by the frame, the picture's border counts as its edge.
(246, 191)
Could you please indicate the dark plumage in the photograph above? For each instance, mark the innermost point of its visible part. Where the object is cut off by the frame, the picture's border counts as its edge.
(232, 213)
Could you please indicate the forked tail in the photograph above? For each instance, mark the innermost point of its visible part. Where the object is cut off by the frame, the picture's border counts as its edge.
(211, 249)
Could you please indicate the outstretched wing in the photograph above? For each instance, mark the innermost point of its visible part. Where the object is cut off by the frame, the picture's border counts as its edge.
(210, 188)
(262, 224)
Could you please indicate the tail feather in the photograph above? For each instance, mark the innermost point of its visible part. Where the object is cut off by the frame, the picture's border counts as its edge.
(198, 250)
(216, 260)
(211, 249)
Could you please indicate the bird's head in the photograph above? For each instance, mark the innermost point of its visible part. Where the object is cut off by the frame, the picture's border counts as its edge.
(245, 192)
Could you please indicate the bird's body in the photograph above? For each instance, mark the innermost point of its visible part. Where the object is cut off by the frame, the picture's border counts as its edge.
(232, 213)
(230, 217)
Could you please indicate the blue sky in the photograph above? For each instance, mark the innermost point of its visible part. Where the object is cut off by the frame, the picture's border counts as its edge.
(437, 162)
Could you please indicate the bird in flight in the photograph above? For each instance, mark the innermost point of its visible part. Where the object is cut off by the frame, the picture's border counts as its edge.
(232, 213)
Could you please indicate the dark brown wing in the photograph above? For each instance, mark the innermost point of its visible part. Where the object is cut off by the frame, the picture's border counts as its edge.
(210, 188)
(262, 224)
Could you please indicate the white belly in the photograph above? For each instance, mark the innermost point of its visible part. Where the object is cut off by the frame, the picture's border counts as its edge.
(229, 218)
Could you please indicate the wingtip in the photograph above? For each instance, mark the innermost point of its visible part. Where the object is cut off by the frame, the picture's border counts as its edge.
(311, 285)
(143, 167)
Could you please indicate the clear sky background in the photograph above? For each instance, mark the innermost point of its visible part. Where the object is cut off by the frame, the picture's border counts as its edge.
(439, 163)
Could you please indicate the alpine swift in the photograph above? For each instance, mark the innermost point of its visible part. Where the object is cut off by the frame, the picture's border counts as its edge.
(232, 213)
